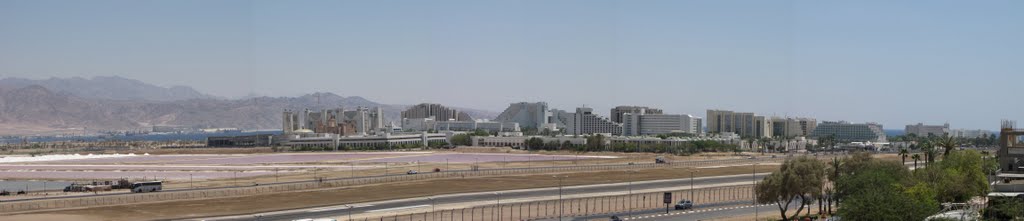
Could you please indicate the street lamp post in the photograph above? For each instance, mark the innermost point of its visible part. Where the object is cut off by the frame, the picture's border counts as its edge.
(629, 177)
(349, 212)
(691, 185)
(190, 181)
(753, 179)
(560, 178)
(432, 204)
(498, 195)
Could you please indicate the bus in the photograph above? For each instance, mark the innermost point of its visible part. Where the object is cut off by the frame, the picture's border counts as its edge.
(151, 186)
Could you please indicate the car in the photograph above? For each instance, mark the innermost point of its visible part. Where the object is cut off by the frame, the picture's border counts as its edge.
(615, 218)
(412, 172)
(751, 157)
(684, 204)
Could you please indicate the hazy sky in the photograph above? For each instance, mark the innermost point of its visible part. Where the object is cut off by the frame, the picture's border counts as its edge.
(893, 62)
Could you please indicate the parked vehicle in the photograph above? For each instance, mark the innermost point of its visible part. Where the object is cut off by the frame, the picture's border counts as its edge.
(142, 187)
(660, 159)
(615, 218)
(684, 204)
(412, 172)
(437, 170)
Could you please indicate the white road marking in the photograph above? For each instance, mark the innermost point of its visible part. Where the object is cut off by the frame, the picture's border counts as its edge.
(396, 208)
(321, 209)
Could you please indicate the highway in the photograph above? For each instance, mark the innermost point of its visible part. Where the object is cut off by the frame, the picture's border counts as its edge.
(701, 212)
(384, 208)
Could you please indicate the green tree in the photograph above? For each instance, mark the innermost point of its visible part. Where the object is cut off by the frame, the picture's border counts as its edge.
(916, 157)
(903, 154)
(534, 143)
(948, 143)
(871, 191)
(957, 178)
(595, 142)
(462, 139)
(801, 178)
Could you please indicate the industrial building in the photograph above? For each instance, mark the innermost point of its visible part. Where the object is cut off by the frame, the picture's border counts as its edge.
(327, 140)
(429, 124)
(520, 141)
(844, 131)
(436, 111)
(743, 124)
(256, 140)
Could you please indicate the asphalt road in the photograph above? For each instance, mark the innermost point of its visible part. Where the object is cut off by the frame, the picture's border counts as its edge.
(397, 206)
(700, 212)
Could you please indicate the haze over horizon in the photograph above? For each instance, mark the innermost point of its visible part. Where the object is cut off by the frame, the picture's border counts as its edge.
(895, 63)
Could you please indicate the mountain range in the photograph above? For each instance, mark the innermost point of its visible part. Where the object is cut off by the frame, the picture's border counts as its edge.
(74, 105)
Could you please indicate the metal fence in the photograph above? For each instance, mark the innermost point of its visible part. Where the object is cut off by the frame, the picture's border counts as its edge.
(56, 203)
(588, 206)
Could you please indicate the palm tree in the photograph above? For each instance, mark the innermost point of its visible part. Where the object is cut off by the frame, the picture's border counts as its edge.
(903, 154)
(948, 143)
(929, 151)
(764, 141)
(916, 157)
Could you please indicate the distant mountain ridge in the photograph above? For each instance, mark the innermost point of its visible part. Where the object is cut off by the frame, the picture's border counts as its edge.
(110, 87)
(44, 109)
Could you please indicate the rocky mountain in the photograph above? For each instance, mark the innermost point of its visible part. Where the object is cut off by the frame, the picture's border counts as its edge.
(44, 109)
(110, 88)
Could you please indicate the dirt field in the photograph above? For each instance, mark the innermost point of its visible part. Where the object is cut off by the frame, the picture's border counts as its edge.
(295, 200)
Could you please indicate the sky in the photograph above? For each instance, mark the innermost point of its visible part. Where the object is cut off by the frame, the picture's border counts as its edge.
(892, 62)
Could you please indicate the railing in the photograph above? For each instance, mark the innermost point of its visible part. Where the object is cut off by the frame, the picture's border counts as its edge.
(66, 202)
(574, 207)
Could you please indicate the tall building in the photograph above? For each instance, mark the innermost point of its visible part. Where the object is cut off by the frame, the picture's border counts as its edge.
(639, 124)
(584, 121)
(361, 121)
(742, 124)
(561, 119)
(844, 131)
(793, 127)
(527, 115)
(436, 111)
(617, 112)
(922, 130)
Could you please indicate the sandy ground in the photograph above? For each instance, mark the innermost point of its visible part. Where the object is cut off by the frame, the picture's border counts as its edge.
(348, 195)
